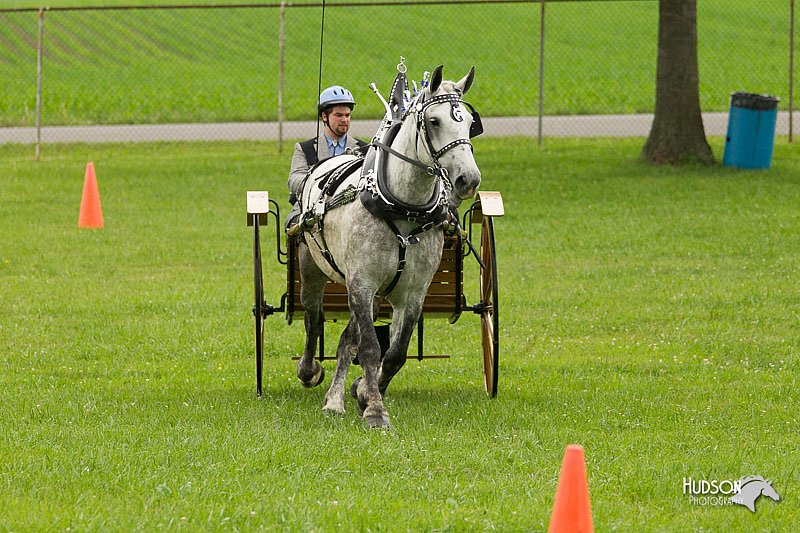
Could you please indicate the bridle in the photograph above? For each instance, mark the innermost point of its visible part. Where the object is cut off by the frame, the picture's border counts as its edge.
(419, 108)
(455, 101)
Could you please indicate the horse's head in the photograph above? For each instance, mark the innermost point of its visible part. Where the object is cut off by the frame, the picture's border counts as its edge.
(751, 488)
(769, 492)
(446, 126)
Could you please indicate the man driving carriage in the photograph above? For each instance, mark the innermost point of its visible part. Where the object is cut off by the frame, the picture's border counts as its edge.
(334, 107)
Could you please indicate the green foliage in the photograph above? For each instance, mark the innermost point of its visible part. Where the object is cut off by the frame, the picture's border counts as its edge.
(647, 313)
(193, 65)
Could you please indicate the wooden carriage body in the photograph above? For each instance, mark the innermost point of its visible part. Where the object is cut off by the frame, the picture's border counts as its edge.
(444, 299)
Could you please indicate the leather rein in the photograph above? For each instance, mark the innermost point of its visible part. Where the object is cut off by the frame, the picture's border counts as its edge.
(436, 168)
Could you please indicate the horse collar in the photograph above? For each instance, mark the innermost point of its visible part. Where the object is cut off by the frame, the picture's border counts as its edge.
(379, 201)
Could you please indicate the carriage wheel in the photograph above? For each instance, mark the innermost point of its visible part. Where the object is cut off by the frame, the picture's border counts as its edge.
(258, 308)
(489, 320)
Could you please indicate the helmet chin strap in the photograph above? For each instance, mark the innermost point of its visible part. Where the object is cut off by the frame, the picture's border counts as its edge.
(325, 120)
(328, 129)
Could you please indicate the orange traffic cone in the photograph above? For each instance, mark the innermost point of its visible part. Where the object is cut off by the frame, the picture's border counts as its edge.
(91, 215)
(572, 512)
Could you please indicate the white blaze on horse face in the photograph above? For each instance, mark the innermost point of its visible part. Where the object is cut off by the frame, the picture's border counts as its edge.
(465, 176)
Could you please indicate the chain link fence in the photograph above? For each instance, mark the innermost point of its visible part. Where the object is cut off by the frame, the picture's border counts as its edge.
(566, 68)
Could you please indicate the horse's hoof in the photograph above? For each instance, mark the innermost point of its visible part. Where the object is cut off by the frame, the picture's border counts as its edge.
(377, 422)
(333, 408)
(333, 413)
(316, 379)
(362, 405)
(376, 417)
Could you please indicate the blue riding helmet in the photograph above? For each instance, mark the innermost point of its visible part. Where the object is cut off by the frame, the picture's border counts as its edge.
(333, 96)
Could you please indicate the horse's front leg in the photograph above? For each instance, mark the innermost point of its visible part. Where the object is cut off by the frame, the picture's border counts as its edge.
(334, 399)
(402, 328)
(312, 279)
(370, 400)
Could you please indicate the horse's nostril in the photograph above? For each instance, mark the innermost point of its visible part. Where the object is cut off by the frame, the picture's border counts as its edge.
(466, 185)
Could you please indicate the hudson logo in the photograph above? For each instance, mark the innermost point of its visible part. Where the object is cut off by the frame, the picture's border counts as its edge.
(728, 492)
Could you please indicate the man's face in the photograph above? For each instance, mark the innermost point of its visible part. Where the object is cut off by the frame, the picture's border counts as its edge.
(338, 119)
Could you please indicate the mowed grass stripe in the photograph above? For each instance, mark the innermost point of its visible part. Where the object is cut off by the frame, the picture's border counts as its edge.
(16, 50)
(193, 65)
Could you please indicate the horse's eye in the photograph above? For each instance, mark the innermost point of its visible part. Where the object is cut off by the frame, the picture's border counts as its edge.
(435, 122)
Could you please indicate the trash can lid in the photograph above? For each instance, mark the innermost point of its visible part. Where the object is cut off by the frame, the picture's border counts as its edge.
(761, 102)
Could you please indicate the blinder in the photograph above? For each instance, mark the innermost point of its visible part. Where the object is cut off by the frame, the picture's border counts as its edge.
(476, 128)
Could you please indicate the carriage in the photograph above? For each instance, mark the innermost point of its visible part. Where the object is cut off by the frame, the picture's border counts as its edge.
(445, 298)
(385, 224)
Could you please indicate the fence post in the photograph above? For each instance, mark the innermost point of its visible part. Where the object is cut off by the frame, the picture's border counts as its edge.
(791, 69)
(541, 70)
(39, 49)
(281, 50)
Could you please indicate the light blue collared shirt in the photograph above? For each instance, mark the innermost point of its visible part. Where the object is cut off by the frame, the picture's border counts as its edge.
(336, 148)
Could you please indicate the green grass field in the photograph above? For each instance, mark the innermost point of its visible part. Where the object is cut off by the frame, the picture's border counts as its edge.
(649, 314)
(222, 65)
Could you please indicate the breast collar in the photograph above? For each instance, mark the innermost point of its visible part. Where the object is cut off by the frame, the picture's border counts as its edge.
(379, 201)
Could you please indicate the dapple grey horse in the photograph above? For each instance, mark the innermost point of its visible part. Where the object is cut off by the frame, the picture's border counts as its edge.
(363, 251)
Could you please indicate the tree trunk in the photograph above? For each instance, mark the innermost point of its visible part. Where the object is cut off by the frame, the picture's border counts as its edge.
(677, 134)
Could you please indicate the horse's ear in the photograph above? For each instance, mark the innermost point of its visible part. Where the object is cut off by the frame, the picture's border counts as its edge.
(466, 82)
(436, 79)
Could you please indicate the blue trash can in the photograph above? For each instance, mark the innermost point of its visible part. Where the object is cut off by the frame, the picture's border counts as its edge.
(751, 131)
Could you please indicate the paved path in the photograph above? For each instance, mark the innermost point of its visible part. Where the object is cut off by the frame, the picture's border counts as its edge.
(560, 126)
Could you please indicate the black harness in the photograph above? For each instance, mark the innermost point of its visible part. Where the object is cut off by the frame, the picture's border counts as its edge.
(328, 183)
(379, 201)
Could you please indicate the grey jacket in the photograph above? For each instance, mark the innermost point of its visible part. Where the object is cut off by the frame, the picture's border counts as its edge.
(301, 165)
